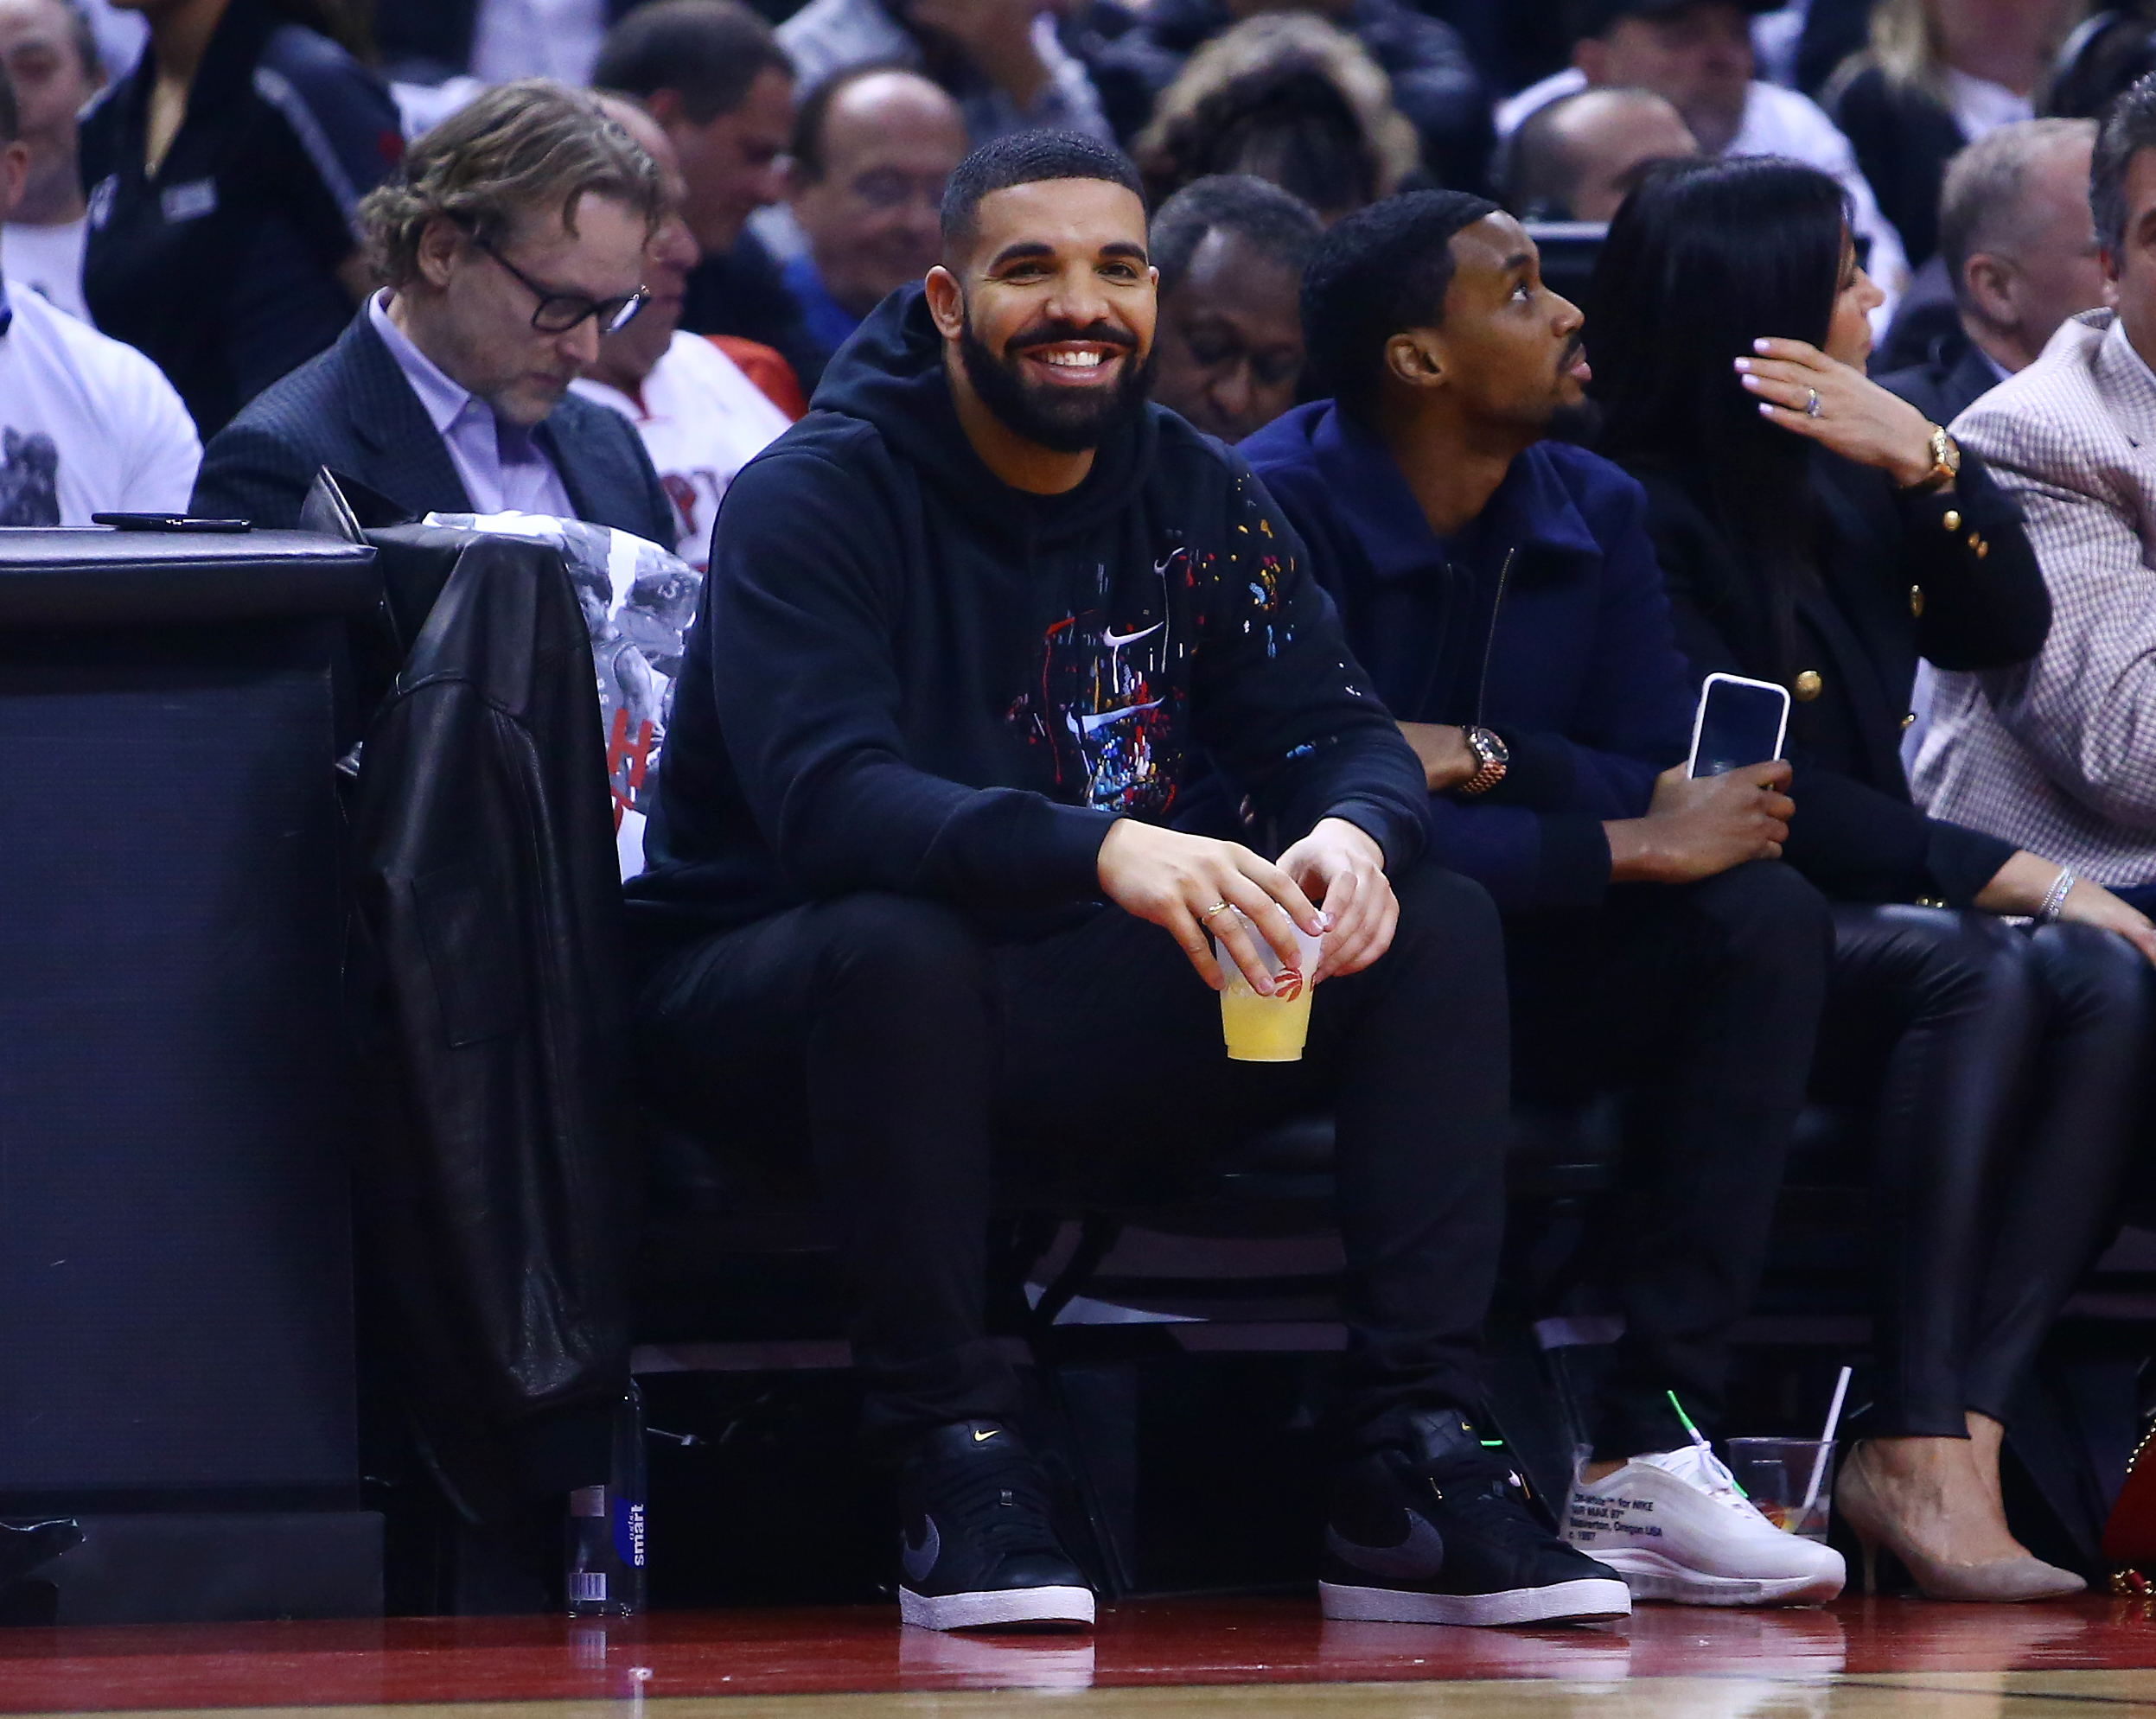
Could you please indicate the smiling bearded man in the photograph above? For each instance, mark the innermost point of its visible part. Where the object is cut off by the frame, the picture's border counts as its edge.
(972, 629)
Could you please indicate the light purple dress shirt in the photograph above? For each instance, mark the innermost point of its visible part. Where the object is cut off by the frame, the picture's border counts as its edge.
(504, 469)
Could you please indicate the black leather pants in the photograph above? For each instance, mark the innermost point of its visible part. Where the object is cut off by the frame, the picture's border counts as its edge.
(2007, 1069)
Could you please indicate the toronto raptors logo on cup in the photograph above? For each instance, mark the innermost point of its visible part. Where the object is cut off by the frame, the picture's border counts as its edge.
(1287, 983)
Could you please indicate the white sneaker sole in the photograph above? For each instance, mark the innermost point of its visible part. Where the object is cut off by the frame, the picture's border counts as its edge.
(1652, 1577)
(1586, 1600)
(995, 1607)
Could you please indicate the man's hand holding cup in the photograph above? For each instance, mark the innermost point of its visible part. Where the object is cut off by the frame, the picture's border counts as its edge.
(1210, 894)
(1187, 884)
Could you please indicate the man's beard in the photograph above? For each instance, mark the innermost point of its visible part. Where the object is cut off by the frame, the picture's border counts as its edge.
(1578, 421)
(1064, 420)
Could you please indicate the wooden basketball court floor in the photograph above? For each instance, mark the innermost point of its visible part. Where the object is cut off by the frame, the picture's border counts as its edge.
(1185, 1658)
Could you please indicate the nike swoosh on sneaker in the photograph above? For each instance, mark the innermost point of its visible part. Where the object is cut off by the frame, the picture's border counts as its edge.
(1419, 1556)
(980, 1437)
(918, 1561)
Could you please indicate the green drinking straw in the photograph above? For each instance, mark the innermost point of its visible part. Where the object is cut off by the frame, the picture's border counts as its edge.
(1700, 1439)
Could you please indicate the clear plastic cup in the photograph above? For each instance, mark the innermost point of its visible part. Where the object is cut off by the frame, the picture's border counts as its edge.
(1267, 1028)
(1776, 1473)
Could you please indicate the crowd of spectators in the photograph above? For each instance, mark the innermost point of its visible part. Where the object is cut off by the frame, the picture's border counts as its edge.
(1853, 403)
(196, 168)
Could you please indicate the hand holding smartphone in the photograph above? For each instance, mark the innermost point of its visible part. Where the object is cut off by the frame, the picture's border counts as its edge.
(1740, 721)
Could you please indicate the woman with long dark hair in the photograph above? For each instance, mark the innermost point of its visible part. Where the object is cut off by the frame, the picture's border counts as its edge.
(1817, 531)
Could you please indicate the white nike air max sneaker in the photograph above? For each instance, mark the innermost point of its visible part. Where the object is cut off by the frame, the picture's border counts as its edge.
(1675, 1527)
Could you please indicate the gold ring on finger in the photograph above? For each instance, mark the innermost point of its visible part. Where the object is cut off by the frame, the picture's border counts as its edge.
(1206, 918)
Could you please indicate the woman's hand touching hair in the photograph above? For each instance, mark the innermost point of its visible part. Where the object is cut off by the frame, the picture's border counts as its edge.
(1857, 419)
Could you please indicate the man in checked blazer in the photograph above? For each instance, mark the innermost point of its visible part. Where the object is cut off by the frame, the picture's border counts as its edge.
(2059, 756)
(513, 239)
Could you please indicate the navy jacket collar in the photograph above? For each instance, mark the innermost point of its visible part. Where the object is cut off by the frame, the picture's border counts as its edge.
(1531, 510)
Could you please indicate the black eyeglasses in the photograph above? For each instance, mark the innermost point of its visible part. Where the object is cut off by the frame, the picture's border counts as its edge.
(557, 313)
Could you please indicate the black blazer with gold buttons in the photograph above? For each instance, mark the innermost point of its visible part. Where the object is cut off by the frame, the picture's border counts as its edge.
(1948, 577)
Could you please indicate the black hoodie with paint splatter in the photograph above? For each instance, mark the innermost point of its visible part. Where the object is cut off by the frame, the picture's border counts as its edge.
(907, 676)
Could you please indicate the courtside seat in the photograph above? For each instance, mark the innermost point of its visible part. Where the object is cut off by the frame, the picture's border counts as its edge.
(1264, 1209)
(709, 1209)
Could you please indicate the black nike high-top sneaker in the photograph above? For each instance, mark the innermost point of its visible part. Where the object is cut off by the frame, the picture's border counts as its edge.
(1435, 1528)
(977, 1547)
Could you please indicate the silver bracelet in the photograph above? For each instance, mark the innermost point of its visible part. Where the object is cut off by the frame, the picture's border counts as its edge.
(2055, 898)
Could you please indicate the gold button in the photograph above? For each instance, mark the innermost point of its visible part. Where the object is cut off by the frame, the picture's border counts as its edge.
(1807, 686)
(1917, 601)
(1908, 721)
(1952, 521)
(1982, 549)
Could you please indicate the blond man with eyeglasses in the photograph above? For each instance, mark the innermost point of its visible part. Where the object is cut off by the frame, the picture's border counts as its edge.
(514, 239)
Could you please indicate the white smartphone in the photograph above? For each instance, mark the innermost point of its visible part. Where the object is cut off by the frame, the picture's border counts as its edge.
(1740, 721)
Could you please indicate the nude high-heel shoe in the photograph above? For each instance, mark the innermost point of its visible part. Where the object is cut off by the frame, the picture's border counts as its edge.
(1875, 1525)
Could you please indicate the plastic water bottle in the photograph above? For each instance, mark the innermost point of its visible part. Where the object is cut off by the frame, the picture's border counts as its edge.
(604, 1574)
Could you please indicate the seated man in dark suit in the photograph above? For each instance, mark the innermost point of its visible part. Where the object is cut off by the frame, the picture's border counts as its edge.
(513, 239)
(2020, 252)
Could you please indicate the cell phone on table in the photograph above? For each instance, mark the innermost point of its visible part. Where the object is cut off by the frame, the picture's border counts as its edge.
(168, 522)
(1740, 721)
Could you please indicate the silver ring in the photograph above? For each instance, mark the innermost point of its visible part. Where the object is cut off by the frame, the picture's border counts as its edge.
(1206, 918)
(1811, 402)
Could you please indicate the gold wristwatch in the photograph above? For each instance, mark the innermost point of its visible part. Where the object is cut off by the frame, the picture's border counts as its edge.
(1492, 758)
(1946, 464)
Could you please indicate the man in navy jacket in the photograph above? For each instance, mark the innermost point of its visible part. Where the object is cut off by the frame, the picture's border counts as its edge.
(1502, 593)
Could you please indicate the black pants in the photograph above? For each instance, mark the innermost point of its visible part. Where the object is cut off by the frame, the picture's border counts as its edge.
(924, 1050)
(1700, 1003)
(2008, 1069)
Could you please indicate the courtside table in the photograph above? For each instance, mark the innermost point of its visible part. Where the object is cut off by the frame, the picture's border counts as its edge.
(176, 1339)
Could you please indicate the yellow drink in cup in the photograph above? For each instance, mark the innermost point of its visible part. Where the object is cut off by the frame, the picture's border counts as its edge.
(1267, 1028)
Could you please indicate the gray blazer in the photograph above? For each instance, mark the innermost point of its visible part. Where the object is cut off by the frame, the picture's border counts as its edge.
(351, 409)
(2059, 755)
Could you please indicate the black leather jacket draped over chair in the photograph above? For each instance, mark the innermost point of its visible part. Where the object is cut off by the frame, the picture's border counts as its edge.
(487, 995)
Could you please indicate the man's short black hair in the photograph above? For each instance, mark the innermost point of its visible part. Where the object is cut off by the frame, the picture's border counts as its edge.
(10, 111)
(708, 52)
(1027, 158)
(2128, 128)
(1276, 222)
(1383, 270)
